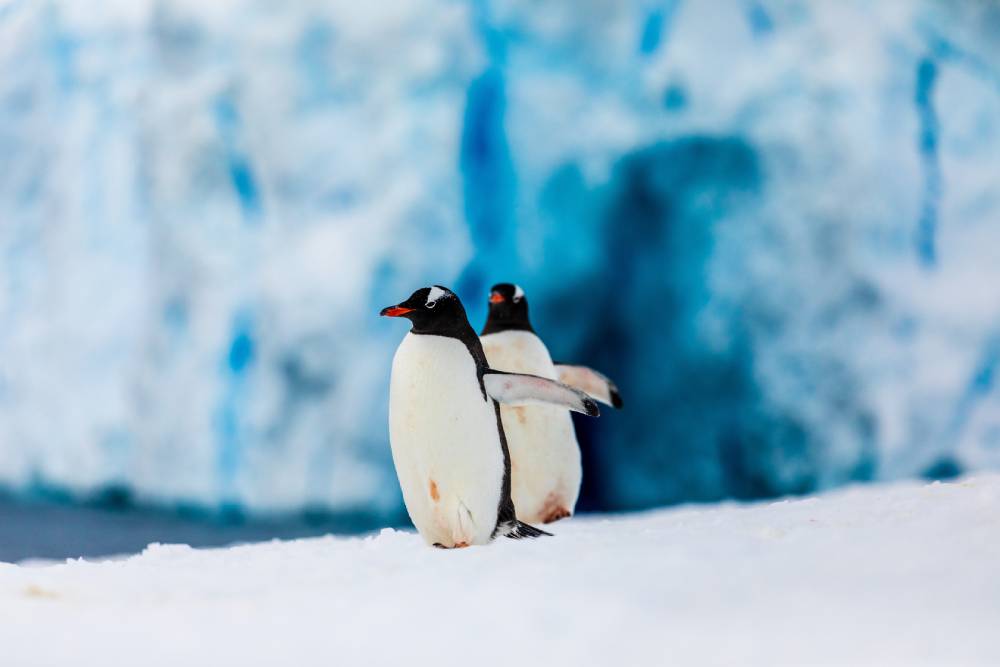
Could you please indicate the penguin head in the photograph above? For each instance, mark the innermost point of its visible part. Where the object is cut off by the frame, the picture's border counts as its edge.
(508, 309)
(432, 310)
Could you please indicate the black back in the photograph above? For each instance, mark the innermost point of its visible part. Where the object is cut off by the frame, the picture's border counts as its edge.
(508, 310)
(444, 315)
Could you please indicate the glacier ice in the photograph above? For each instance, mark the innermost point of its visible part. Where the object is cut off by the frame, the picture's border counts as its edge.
(775, 225)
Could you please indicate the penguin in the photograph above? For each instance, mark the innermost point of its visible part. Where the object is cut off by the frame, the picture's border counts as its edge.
(545, 456)
(446, 434)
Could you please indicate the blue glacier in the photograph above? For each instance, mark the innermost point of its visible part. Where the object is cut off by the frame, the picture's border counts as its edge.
(776, 225)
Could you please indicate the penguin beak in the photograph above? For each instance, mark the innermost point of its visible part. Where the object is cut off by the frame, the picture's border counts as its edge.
(395, 311)
(496, 297)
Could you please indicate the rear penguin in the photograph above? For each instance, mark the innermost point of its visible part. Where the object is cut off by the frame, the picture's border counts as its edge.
(544, 452)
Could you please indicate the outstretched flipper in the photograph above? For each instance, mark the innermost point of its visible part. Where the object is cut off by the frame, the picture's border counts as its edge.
(590, 381)
(522, 389)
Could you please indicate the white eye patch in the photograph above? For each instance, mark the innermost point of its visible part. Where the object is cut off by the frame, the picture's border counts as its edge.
(433, 296)
(518, 293)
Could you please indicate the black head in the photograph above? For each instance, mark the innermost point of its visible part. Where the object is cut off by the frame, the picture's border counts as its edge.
(432, 310)
(508, 310)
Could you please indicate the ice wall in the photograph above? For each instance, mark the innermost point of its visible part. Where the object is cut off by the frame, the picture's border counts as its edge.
(776, 224)
(204, 205)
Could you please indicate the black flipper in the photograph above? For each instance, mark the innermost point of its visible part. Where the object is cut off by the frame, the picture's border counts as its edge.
(522, 530)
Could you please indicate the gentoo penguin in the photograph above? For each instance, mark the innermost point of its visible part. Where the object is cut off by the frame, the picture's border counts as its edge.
(448, 441)
(545, 457)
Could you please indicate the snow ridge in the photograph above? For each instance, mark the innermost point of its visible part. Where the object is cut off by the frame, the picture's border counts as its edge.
(902, 574)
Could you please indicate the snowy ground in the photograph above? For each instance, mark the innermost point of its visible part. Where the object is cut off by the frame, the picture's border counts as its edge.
(905, 574)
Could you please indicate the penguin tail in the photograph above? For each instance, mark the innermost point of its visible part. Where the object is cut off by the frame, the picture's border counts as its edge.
(521, 530)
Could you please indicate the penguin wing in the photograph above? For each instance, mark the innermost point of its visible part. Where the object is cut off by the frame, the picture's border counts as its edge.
(521, 389)
(590, 381)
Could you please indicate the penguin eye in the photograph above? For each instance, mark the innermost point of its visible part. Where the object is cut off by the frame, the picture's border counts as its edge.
(431, 304)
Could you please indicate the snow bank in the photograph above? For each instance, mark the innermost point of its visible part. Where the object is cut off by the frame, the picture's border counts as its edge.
(904, 574)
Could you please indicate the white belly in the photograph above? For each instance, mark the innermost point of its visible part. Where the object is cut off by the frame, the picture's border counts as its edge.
(445, 442)
(545, 457)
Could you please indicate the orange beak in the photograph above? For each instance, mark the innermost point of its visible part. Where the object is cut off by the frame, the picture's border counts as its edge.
(395, 311)
(496, 297)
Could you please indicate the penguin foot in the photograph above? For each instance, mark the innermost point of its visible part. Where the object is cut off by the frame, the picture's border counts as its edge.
(457, 545)
(554, 508)
(520, 530)
(556, 514)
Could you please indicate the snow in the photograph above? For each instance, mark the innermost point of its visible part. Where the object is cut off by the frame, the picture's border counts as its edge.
(899, 574)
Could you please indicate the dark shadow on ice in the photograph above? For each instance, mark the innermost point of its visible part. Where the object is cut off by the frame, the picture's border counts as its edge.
(112, 525)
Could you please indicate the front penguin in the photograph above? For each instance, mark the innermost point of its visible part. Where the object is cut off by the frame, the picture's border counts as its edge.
(447, 438)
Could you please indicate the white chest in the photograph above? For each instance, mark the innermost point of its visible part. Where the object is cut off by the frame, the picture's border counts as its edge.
(545, 457)
(518, 352)
(445, 442)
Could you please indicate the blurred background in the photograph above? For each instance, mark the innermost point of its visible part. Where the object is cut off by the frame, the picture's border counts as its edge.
(775, 224)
